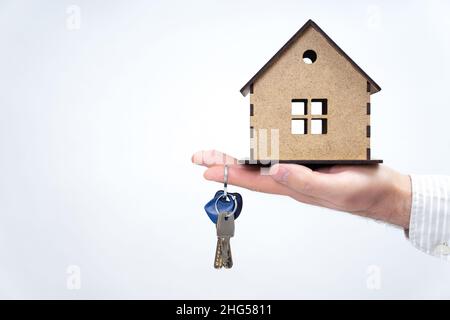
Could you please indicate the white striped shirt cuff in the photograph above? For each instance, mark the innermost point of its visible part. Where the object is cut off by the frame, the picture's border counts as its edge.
(429, 227)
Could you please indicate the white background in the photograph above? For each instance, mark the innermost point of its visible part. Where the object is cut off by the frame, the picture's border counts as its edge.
(100, 113)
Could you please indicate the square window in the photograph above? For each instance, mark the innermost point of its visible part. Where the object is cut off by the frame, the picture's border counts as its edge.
(319, 107)
(299, 107)
(298, 126)
(318, 126)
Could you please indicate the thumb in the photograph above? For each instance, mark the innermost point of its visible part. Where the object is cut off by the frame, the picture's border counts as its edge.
(298, 178)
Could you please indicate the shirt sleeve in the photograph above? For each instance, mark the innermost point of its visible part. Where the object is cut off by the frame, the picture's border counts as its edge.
(429, 227)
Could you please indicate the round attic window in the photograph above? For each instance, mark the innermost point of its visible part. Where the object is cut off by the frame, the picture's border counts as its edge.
(309, 56)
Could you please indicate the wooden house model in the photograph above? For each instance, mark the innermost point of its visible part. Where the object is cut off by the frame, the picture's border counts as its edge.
(316, 99)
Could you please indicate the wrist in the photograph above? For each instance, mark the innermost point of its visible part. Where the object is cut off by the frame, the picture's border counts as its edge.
(400, 201)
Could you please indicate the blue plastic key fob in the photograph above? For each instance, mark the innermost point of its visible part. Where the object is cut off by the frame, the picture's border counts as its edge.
(220, 203)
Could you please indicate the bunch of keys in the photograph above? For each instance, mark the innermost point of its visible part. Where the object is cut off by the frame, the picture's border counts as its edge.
(223, 210)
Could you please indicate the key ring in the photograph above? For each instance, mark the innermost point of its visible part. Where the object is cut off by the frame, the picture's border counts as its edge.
(225, 180)
(226, 197)
(225, 193)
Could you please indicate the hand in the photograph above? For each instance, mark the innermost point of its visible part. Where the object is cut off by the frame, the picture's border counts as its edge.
(377, 192)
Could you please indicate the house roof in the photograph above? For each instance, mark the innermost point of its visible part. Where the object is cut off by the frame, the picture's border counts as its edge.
(374, 87)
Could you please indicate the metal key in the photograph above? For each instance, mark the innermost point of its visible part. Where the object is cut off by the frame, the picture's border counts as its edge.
(225, 231)
(218, 258)
(227, 260)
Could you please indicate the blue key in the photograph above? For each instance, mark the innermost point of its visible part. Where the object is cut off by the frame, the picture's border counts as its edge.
(220, 203)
